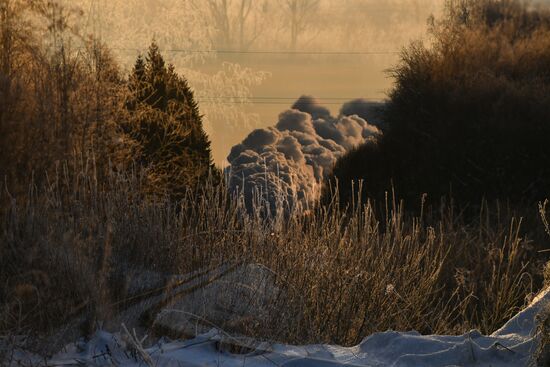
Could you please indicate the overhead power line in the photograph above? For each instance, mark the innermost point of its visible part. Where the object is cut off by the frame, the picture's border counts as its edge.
(288, 98)
(288, 101)
(265, 52)
(283, 101)
(263, 103)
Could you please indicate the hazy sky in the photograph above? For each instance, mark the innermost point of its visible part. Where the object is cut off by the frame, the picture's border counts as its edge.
(238, 59)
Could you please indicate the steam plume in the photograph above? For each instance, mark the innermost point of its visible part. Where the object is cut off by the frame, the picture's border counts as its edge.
(284, 165)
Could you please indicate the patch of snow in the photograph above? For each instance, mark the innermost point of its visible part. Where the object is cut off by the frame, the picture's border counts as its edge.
(512, 345)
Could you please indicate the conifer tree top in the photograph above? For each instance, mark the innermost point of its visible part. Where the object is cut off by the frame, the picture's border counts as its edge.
(155, 86)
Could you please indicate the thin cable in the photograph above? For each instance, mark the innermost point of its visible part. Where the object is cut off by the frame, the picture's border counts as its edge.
(285, 101)
(266, 52)
(261, 103)
(287, 98)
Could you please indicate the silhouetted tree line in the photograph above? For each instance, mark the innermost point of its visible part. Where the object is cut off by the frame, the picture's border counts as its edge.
(63, 96)
(469, 116)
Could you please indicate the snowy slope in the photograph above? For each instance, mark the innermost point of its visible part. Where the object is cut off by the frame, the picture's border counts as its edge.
(512, 345)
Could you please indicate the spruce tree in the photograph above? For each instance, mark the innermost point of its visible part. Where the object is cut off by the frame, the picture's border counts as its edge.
(164, 127)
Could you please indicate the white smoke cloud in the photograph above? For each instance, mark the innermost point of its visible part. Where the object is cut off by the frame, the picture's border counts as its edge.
(285, 165)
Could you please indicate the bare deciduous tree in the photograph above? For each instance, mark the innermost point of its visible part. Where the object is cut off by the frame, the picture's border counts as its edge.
(13, 34)
(299, 13)
(238, 23)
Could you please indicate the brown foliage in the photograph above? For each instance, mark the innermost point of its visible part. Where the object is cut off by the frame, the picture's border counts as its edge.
(58, 100)
(468, 115)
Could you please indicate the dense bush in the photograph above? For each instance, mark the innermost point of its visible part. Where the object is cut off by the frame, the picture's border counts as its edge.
(59, 93)
(469, 114)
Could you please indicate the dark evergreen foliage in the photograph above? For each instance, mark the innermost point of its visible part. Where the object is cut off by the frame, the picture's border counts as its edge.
(165, 128)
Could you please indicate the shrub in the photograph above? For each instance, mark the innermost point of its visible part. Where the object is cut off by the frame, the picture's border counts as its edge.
(468, 115)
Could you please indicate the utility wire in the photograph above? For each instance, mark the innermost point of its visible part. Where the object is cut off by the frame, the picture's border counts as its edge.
(262, 103)
(265, 52)
(278, 100)
(286, 98)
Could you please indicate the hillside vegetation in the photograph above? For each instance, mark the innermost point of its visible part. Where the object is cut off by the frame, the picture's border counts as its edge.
(469, 115)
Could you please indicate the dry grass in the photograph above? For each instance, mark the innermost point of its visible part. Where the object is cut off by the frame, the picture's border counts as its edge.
(541, 356)
(67, 246)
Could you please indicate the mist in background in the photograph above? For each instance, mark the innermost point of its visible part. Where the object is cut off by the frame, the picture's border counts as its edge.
(248, 60)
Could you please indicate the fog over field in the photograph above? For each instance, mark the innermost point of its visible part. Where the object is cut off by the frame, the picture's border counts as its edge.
(248, 61)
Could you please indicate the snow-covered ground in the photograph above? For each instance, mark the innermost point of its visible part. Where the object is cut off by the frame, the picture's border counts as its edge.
(512, 345)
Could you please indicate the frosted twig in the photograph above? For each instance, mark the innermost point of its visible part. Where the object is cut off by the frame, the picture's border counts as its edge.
(137, 344)
(542, 211)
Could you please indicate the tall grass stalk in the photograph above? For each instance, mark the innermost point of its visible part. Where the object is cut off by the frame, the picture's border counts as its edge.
(69, 249)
